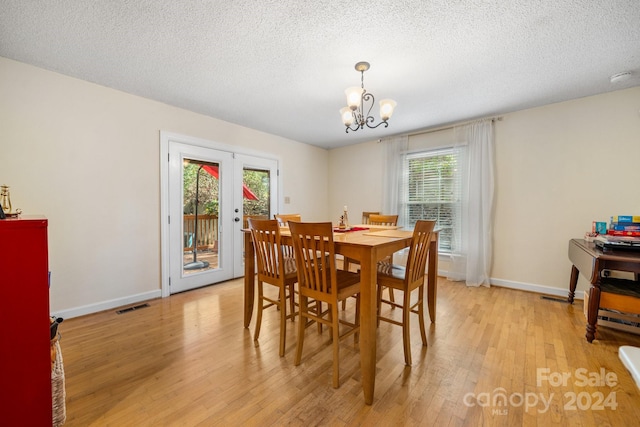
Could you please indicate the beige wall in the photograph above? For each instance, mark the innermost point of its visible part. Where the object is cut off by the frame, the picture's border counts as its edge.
(87, 157)
(559, 167)
(355, 180)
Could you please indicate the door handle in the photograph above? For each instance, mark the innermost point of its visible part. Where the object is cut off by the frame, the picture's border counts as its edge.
(236, 219)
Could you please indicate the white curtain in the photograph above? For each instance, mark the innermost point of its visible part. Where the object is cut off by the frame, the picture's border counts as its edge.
(471, 259)
(394, 151)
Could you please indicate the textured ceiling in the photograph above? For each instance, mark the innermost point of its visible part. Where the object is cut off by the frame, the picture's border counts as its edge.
(282, 66)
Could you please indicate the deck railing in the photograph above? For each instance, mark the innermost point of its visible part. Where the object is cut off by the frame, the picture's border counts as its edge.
(207, 237)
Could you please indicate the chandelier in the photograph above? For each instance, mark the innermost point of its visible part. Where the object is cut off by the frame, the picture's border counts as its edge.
(354, 112)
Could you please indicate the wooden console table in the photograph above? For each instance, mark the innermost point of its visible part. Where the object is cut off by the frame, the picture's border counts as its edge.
(589, 260)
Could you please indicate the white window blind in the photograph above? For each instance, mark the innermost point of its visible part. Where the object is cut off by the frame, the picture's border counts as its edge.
(432, 191)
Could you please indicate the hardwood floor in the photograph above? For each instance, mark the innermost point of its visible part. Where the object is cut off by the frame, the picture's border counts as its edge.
(187, 361)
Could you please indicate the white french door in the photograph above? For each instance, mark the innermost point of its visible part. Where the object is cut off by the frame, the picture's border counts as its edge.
(207, 192)
(255, 168)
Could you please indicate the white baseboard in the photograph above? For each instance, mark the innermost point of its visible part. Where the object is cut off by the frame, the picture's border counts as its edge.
(530, 287)
(521, 286)
(132, 299)
(107, 305)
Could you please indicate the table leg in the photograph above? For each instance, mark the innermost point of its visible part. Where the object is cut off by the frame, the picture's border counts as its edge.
(432, 279)
(573, 281)
(592, 313)
(249, 278)
(368, 321)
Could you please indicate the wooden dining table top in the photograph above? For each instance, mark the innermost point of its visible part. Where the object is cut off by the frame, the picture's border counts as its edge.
(363, 234)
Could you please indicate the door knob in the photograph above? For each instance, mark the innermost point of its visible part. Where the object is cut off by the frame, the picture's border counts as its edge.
(236, 219)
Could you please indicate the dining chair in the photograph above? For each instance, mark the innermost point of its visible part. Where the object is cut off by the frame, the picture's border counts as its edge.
(407, 279)
(374, 219)
(365, 216)
(275, 268)
(320, 280)
(245, 219)
(383, 219)
(283, 219)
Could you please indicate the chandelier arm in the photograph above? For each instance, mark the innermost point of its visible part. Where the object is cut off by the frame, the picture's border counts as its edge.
(384, 122)
(349, 128)
(356, 121)
(367, 97)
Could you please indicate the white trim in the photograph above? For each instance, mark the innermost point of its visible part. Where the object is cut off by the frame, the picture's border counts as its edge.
(185, 139)
(132, 299)
(107, 305)
(531, 287)
(164, 213)
(444, 147)
(521, 286)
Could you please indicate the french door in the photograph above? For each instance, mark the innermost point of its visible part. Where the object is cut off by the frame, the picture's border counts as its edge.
(209, 193)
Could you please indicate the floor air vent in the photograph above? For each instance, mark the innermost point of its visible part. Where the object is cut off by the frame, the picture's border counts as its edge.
(554, 298)
(129, 309)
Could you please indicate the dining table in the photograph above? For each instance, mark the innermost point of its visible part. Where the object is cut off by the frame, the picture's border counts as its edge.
(367, 244)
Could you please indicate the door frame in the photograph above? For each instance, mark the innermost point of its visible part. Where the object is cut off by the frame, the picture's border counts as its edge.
(165, 139)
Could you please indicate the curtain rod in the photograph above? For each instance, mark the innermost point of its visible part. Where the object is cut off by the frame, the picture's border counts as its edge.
(445, 127)
(436, 129)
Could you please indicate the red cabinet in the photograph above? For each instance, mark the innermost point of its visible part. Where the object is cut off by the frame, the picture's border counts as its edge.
(25, 358)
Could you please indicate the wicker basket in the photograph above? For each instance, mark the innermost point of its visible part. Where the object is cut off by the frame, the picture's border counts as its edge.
(57, 387)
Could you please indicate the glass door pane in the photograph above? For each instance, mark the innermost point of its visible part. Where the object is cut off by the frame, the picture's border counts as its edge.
(200, 215)
(256, 191)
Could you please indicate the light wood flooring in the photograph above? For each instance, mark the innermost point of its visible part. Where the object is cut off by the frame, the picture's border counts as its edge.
(186, 360)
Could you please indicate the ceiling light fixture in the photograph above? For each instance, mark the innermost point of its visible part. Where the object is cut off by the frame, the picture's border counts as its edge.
(353, 113)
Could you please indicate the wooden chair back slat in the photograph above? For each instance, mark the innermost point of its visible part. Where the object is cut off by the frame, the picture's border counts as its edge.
(315, 257)
(419, 251)
(268, 248)
(365, 216)
(283, 219)
(245, 219)
(383, 219)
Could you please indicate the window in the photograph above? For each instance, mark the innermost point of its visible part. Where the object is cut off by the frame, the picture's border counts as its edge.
(433, 191)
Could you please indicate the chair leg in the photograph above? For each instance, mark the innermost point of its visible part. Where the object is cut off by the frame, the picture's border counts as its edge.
(423, 332)
(335, 323)
(356, 336)
(319, 308)
(406, 330)
(379, 304)
(260, 308)
(392, 298)
(292, 302)
(345, 266)
(304, 309)
(283, 319)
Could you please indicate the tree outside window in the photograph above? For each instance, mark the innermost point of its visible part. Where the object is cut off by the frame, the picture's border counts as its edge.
(433, 192)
